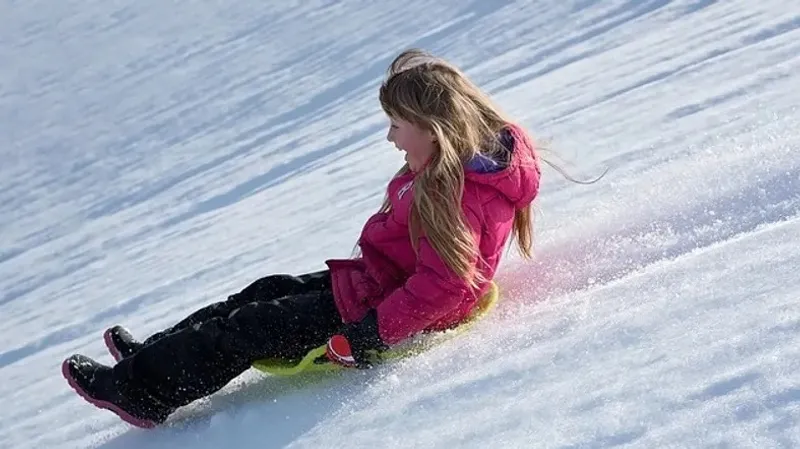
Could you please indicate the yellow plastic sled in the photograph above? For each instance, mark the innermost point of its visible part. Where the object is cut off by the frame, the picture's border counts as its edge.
(315, 360)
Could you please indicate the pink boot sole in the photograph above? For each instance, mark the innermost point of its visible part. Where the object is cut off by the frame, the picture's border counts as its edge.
(143, 423)
(110, 345)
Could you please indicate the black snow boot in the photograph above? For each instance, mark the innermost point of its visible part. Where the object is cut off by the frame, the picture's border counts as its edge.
(95, 383)
(120, 342)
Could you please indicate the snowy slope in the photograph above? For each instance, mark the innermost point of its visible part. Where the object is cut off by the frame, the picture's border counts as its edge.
(157, 156)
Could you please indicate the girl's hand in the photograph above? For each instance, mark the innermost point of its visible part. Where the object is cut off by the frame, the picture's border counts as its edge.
(350, 346)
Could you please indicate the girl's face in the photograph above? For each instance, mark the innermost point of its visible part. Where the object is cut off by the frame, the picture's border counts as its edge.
(418, 143)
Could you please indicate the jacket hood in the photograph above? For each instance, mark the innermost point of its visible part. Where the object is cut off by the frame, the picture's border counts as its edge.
(514, 173)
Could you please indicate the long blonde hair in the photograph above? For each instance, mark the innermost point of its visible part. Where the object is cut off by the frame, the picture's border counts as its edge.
(435, 95)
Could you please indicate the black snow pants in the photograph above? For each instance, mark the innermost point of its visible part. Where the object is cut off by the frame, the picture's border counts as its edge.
(278, 316)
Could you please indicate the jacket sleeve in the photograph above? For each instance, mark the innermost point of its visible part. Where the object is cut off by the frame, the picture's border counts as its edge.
(428, 294)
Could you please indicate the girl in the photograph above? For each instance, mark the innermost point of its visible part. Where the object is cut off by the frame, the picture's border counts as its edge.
(425, 258)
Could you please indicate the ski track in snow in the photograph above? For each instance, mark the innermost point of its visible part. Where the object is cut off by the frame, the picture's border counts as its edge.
(158, 157)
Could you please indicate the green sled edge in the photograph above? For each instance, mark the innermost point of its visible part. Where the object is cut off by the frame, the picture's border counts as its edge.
(315, 360)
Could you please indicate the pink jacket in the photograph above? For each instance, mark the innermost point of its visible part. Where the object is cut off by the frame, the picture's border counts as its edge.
(417, 292)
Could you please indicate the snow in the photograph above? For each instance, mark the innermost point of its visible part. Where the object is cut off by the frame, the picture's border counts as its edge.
(158, 156)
